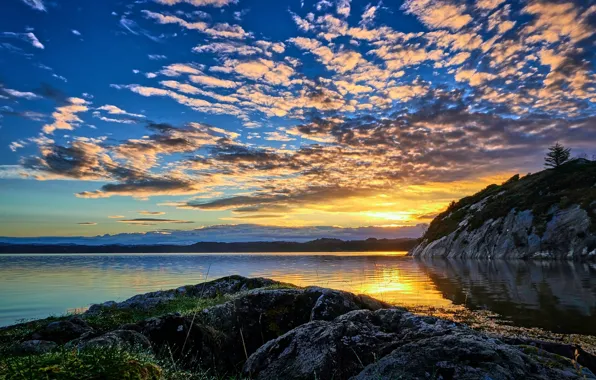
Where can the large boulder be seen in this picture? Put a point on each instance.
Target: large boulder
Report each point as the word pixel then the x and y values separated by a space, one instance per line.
pixel 324 349
pixel 118 339
pixel 394 344
pixel 62 331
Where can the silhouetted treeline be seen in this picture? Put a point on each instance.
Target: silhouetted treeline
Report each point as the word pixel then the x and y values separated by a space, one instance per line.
pixel 319 245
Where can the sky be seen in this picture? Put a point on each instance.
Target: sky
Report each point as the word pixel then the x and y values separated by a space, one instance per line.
pixel 163 115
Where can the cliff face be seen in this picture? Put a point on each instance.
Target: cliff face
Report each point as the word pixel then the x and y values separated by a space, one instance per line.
pixel 547 215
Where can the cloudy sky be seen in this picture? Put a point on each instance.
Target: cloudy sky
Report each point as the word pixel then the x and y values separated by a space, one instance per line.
pixel 132 116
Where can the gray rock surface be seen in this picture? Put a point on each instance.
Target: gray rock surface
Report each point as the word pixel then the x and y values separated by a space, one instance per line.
pixel 393 344
pixel 63 331
pixel 117 338
pixel 567 236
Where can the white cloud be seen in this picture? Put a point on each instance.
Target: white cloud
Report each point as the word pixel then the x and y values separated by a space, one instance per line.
pixel 29 37
pixel 113 110
pixel 35 4
pixel 199 3
pixel 76 32
pixel 209 81
pixel 20 94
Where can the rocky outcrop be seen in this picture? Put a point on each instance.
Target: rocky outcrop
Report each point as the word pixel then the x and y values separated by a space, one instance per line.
pixel 547 215
pixel 313 333
pixel 394 344
pixel 567 236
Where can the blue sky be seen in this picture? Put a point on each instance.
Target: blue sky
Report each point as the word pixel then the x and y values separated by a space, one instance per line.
pixel 149 115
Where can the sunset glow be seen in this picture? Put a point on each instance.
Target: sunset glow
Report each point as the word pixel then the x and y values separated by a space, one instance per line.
pixel 120 117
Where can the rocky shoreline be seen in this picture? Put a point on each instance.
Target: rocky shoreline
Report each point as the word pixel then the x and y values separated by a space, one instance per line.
pixel 236 327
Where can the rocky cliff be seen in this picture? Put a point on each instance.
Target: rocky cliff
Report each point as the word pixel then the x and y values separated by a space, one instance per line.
pixel 546 215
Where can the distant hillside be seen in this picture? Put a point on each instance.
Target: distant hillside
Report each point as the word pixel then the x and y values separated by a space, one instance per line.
pixel 319 245
pixel 550 214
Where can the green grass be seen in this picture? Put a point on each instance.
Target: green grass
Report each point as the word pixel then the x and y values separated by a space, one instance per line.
pixel 85 364
pixel 571 184
pixel 110 318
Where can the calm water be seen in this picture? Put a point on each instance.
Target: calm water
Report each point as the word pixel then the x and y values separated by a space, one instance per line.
pixel 556 296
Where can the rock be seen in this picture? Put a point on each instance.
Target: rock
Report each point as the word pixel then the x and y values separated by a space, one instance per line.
pixel 568 351
pixel 394 344
pixel 224 335
pixel 211 289
pixel 333 303
pixel 467 355
pixel 186 341
pixel 63 331
pixel 118 338
pixel 33 347
pixel 567 236
pixel 323 349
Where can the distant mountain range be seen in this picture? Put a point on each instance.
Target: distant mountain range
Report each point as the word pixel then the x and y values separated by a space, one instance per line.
pixel 319 245
pixel 244 233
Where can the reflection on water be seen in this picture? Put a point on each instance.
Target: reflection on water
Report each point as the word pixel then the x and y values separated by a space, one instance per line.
pixel 557 296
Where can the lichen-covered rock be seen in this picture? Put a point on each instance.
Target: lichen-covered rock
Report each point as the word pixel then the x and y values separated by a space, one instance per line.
pixel 62 331
pixel 118 339
pixel 393 344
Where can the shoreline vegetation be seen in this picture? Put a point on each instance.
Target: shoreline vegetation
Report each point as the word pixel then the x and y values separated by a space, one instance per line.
pixel 241 328
pixel 319 245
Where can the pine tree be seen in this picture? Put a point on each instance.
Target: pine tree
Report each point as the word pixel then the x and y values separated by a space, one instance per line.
pixel 557 155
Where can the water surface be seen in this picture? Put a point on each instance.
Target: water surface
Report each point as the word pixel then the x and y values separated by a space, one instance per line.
pixel 559 296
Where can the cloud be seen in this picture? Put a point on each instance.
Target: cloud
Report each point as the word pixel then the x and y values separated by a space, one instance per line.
pixel 156 57
pixel 35 4
pixel 151 221
pixel 87 224
pixel 76 32
pixel 29 37
pixel 199 3
pixel 65 117
pixel 144 212
pixel 223 30
pixel 19 94
pixel 209 81
pixel 437 14
pixel 116 216
pixel 113 110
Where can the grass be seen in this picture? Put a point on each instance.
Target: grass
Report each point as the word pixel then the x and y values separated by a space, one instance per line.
pixel 571 184
pixel 110 318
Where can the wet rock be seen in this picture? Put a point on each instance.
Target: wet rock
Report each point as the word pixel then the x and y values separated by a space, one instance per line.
pixel 393 344
pixel 33 347
pixel 118 338
pixel 63 331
